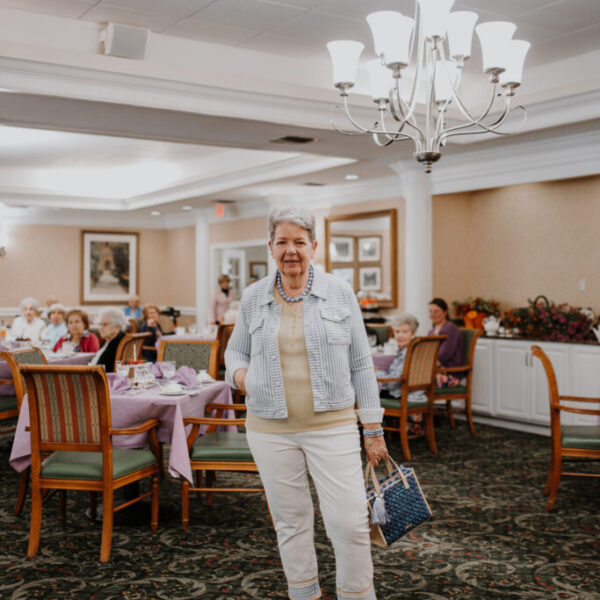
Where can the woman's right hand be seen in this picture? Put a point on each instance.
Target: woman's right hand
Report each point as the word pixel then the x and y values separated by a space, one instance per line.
pixel 239 378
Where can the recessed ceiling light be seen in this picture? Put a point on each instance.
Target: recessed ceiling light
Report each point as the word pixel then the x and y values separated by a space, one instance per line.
pixel 155 213
pixel 186 207
pixel 263 193
pixel 351 177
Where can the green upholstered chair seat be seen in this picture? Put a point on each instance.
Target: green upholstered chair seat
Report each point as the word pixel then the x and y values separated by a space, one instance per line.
pixel 8 403
pixel 586 437
pixel 88 465
pixel 222 372
pixel 222 445
pixel 458 389
pixel 394 403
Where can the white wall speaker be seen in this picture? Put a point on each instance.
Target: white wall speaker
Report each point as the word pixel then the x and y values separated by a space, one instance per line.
pixel 124 40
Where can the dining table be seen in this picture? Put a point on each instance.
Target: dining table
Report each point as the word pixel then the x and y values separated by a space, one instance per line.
pixel 131 407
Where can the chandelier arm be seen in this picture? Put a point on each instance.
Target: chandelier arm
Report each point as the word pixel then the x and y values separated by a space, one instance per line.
pixel 398 134
pixel 380 143
pixel 360 129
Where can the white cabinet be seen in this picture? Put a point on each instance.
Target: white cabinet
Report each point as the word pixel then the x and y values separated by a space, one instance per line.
pixel 510 384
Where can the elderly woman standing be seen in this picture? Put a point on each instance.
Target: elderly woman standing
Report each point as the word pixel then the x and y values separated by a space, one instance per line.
pixel 299 352
pixel 221 300
pixel 28 326
pixel 57 327
pixel 112 330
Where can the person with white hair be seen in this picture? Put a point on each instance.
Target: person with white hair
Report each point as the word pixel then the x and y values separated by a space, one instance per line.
pixel 133 310
pixel 28 326
pixel 113 325
pixel 57 327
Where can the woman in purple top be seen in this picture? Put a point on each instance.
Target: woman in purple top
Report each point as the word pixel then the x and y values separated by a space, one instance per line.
pixel 451 351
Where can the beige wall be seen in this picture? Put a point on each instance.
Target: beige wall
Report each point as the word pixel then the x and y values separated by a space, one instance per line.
pixel 516 242
pixel 45 260
pixel 241 230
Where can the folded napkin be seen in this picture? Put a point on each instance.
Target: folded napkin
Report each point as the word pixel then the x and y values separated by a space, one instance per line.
pixel 156 370
pixel 186 376
pixel 117 383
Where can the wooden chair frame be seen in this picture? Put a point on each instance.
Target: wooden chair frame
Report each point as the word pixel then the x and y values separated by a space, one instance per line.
pixel 210 466
pixel 557 450
pixel 449 396
pixel 213 368
pixel 125 347
pixel 107 485
pixel 223 334
pixel 402 412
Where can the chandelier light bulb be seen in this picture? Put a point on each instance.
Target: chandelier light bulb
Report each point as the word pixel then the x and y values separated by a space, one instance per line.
pixel 494 37
pixel 391 32
pixel 516 50
pixel 344 59
pixel 461 25
pixel 434 17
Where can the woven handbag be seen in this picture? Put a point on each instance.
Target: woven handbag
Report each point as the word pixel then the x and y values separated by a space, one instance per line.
pixel 396 503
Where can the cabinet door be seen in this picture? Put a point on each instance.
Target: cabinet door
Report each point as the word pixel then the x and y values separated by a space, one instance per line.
pixel 538 389
pixel 482 394
pixel 512 375
pixel 584 380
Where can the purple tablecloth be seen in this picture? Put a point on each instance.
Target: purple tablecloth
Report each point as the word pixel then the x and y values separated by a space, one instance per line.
pixel 77 358
pixel 383 361
pixel 129 410
pixel 185 336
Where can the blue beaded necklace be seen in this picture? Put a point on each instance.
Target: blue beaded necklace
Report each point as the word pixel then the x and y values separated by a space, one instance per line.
pixel 303 294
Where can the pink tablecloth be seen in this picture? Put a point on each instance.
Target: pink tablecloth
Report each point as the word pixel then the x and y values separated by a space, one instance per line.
pixel 77 358
pixel 129 410
pixel 185 336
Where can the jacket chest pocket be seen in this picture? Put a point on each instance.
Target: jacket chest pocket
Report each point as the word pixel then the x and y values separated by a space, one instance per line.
pixel 257 335
pixel 336 322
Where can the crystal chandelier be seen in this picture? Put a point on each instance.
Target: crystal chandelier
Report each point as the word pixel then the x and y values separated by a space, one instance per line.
pixel 423 65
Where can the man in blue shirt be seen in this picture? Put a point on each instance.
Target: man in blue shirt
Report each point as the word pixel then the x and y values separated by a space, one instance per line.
pixel 134 310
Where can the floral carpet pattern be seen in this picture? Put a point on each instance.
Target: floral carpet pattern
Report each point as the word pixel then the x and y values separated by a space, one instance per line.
pixel 491 537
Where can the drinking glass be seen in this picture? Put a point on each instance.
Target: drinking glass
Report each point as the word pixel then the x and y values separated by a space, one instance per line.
pixel 122 368
pixel 168 369
pixel 192 328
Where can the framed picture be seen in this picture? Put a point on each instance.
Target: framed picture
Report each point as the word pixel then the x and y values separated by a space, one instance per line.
pixel 258 269
pixel 109 267
pixel 370 279
pixel 341 249
pixel 369 248
pixel 345 273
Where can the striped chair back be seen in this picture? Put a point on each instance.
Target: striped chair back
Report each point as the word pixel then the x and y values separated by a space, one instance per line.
pixel 16 358
pixel 198 354
pixel 68 406
pixel 421 358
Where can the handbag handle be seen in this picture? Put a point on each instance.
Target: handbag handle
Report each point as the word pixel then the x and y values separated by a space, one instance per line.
pixel 370 473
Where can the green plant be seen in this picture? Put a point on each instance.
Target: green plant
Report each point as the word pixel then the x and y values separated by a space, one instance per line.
pixel 489 307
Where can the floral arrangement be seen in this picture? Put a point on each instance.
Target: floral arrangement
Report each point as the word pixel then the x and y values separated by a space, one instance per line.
pixel 553 322
pixel 489 307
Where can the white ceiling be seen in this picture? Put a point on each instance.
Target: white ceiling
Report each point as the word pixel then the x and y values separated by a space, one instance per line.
pixel 270 52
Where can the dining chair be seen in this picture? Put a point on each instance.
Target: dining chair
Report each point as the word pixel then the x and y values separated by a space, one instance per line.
pixel 567 441
pixel 215 451
pixel 198 354
pixel 418 374
pixel 14 359
pixel 223 334
pixel 131 345
pixel 460 392
pixel 70 418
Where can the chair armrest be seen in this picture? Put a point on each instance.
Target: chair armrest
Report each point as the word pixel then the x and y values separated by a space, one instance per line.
pixel 579 411
pixel 391 380
pixel 149 348
pixel 464 369
pixel 579 399
pixel 7 381
pixel 222 406
pixel 134 430
pixel 212 421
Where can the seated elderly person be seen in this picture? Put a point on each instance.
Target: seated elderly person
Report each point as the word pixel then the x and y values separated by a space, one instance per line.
pixel 150 324
pixel 404 332
pixel 28 326
pixel 57 327
pixel 78 334
pixel 112 329
pixel 133 310
pixel 452 350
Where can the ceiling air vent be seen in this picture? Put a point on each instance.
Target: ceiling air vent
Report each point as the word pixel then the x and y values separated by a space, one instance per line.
pixel 293 139
pixel 314 184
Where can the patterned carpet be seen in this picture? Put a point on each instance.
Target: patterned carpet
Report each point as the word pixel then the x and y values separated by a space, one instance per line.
pixel 491 537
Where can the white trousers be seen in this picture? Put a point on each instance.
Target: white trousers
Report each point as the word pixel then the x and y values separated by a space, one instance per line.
pixel 332 457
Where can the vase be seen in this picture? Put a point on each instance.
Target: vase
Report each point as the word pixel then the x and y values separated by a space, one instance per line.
pixel 475 322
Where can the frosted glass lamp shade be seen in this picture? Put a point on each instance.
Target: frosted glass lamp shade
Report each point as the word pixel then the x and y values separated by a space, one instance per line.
pixel 446 76
pixel 381 80
pixel 344 59
pixel 515 59
pixel 434 17
pixel 391 32
pixel 494 37
pixel 406 87
pixel 461 24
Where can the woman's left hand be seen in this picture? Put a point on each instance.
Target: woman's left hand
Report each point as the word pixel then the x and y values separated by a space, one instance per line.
pixel 376 449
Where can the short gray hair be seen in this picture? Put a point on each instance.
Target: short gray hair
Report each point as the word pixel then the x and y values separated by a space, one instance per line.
pixel 407 319
pixel 292 214
pixel 57 306
pixel 29 301
pixel 116 317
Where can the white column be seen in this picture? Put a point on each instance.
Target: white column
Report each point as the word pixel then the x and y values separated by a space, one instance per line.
pixel 201 252
pixel 418 253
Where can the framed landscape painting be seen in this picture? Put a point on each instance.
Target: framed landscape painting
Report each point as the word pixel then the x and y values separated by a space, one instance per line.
pixel 341 249
pixel 369 248
pixel 370 279
pixel 258 269
pixel 109 267
pixel 345 273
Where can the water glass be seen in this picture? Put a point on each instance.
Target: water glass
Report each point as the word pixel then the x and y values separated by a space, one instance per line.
pixel 168 369
pixel 192 328
pixel 122 368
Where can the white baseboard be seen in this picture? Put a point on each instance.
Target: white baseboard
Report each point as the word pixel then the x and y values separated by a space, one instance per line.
pixel 507 424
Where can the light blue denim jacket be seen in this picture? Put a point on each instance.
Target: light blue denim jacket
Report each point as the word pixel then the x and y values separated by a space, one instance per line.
pixel 339 357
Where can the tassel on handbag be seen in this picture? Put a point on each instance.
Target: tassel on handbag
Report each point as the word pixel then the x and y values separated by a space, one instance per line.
pixel 396 503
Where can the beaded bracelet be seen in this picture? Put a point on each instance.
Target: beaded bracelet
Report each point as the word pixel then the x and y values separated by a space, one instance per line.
pixel 373 432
